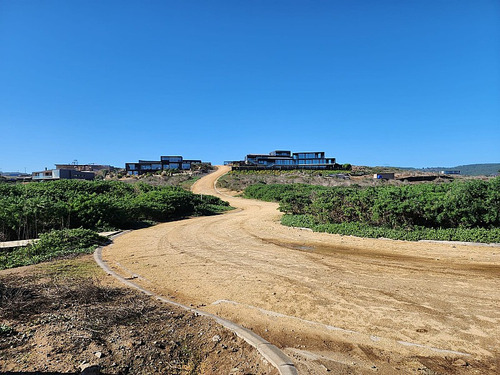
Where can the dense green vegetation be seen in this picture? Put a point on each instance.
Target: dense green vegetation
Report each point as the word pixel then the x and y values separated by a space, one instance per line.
pixel 55 243
pixel 30 209
pixel 415 234
pixel 462 211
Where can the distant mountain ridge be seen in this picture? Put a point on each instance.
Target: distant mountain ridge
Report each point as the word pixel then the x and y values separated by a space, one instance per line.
pixel 14 174
pixel 467 170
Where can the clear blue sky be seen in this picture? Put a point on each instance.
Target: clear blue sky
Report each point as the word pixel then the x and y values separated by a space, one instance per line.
pixel 401 82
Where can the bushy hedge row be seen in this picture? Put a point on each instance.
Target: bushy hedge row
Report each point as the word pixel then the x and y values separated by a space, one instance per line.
pixel 53 244
pixel 421 233
pixel 463 211
pixel 278 192
pixel 470 204
pixel 34 208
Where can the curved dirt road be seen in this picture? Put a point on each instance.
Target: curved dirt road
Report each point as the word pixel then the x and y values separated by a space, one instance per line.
pixel 345 304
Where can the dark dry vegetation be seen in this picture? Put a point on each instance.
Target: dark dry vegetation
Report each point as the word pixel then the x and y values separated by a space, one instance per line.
pixel 240 180
pixel 56 317
pixel 167 177
pixel 361 175
pixel 184 180
pixel 459 211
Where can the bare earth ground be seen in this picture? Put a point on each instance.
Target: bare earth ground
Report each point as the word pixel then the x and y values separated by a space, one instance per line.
pixel 332 303
pixel 59 316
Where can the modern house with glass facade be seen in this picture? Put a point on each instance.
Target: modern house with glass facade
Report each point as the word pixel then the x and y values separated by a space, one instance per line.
pixel 165 163
pixel 62 174
pixel 85 167
pixel 281 159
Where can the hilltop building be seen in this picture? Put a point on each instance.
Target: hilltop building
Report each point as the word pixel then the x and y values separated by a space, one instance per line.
pixel 281 159
pixel 70 172
pixel 383 176
pixel 165 163
pixel 449 172
pixel 85 167
pixel 62 174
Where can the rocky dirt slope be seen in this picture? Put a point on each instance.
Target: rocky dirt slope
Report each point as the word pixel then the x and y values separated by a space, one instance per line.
pixel 65 316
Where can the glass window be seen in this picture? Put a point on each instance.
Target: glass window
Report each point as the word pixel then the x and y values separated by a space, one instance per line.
pixel 172 159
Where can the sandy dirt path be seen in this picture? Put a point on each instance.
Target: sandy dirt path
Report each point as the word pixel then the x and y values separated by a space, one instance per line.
pixel 335 304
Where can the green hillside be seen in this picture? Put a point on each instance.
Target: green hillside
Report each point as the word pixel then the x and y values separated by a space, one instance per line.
pixel 479 169
pixel 467 170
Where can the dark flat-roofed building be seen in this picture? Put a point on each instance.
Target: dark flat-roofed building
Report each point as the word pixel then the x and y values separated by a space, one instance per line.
pixel 84 167
pixel 283 159
pixel 62 174
pixel 168 162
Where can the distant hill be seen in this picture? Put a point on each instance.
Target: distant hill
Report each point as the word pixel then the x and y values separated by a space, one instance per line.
pixel 467 170
pixel 13 174
pixel 479 169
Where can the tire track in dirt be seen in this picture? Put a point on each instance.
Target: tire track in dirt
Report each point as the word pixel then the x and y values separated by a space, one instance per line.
pixel 438 296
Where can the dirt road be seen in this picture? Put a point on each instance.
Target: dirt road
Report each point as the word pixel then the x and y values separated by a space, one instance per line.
pixel 344 304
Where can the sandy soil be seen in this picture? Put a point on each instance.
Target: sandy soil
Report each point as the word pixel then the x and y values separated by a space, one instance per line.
pixel 333 303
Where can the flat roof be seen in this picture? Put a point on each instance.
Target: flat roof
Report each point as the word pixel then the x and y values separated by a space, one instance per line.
pixel 309 152
pixel 279 157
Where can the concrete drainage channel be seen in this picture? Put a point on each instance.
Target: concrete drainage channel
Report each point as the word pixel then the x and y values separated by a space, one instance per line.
pixel 269 351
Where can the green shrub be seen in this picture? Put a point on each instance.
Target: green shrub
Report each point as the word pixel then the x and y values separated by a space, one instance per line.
pixel 31 209
pixel 69 240
pixel 470 204
pixel 480 235
pixel 5 329
pixel 53 244
pixel 459 211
